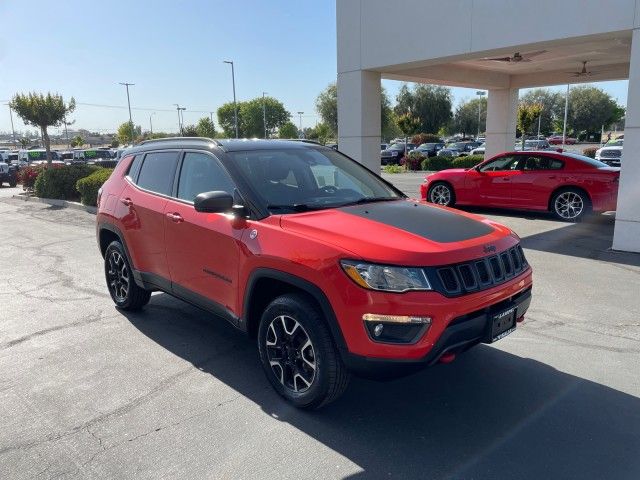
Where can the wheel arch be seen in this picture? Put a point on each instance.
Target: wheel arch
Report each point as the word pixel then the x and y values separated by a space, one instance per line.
pixel 566 187
pixel 265 284
pixel 447 183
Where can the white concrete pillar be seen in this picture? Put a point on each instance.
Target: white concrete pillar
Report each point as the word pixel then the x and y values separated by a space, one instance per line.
pixel 502 108
pixel 359 121
pixel 627 230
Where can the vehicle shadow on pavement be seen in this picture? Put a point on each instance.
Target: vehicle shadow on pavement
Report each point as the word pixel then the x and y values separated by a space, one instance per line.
pixel 489 414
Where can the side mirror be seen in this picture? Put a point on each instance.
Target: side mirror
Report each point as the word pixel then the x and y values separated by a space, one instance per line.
pixel 213 202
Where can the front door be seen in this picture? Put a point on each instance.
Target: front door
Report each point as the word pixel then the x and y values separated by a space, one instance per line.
pixel 491 184
pixel 203 249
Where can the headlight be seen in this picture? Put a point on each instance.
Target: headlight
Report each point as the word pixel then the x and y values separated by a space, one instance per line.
pixel 386 278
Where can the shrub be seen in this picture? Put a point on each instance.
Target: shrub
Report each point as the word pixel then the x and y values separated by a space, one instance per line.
pixel 590 152
pixel 437 163
pixel 413 161
pixel 89 186
pixel 393 169
pixel 421 138
pixel 469 161
pixel 60 183
pixel 27 176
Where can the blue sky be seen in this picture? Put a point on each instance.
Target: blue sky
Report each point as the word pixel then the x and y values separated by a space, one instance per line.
pixel 173 52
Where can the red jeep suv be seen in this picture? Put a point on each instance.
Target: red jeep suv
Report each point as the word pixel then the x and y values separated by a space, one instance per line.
pixel 332 269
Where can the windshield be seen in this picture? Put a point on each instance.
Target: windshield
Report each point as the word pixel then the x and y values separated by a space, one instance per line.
pixel 589 160
pixel 614 143
pixel 397 146
pixel 295 180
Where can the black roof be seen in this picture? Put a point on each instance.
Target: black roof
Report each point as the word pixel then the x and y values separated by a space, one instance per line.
pixel 227 145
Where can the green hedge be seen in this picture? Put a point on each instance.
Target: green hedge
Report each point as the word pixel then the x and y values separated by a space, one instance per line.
pixel 60 183
pixel 89 186
pixel 469 161
pixel 435 164
pixel 421 138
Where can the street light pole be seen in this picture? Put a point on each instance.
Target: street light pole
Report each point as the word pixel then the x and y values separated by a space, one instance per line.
pixel 13 132
pixel 179 109
pixel 480 94
pixel 235 103
pixel 300 113
pixel 127 85
pixel 151 124
pixel 264 114
pixel 566 111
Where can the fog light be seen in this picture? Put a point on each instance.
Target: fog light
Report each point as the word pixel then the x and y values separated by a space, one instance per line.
pixel 404 329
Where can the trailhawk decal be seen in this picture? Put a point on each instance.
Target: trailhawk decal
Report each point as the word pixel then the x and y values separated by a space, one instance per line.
pixel 432 223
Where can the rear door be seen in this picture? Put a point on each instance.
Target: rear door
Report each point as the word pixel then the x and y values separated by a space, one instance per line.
pixel 203 249
pixel 491 184
pixel 144 200
pixel 538 178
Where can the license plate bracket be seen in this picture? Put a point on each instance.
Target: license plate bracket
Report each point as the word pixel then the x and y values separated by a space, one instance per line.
pixel 503 323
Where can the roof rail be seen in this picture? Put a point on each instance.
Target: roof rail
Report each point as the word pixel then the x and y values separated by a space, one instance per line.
pixel 173 139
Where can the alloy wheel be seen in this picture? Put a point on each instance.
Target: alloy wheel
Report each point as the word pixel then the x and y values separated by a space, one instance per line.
pixel 440 194
pixel 290 353
pixel 569 205
pixel 118 276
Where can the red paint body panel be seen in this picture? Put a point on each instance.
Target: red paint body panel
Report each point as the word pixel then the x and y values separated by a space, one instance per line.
pixel 529 189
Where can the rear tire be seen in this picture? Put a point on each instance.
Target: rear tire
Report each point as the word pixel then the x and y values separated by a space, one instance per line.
pixel 124 291
pixel 441 193
pixel 298 354
pixel 570 204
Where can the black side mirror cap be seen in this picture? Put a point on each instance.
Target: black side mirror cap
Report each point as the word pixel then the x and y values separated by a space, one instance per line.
pixel 213 202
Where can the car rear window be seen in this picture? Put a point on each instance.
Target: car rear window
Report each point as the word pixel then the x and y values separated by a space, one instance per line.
pixel 157 172
pixel 588 160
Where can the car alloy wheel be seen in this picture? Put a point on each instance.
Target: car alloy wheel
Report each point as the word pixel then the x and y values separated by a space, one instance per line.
pixel 440 194
pixel 569 205
pixel 291 354
pixel 118 276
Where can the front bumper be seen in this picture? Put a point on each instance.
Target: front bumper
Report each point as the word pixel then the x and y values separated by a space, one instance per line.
pixel 461 334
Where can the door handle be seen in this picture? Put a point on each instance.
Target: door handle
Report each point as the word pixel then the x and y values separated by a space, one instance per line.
pixel 552 177
pixel 126 201
pixel 175 217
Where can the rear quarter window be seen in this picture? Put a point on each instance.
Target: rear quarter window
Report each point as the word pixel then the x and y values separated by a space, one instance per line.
pixel 134 168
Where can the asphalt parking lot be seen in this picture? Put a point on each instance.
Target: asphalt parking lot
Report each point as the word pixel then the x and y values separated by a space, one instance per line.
pixel 87 391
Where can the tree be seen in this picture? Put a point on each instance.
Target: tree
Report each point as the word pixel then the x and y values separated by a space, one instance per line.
pixel 206 128
pixel 327 108
pixel 42 111
pixel 77 141
pixel 465 119
pixel 552 107
pixel 321 133
pixel 430 104
pixel 408 125
pixel 590 109
pixel 127 132
pixel 24 142
pixel 288 130
pixel 527 117
pixel 250 117
pixel 190 131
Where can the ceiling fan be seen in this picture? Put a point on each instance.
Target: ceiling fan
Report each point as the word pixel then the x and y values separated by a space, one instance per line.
pixel 516 57
pixel 584 72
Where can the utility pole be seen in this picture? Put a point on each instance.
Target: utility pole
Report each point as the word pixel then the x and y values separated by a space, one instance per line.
pixel 211 117
pixel 300 113
pixel 127 85
pixel 480 94
pixel 566 111
pixel 179 109
pixel 151 124
pixel 13 131
pixel 235 104
pixel 264 115
pixel 66 132
pixel 539 119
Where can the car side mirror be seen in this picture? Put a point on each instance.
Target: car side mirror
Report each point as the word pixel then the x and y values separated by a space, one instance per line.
pixel 213 202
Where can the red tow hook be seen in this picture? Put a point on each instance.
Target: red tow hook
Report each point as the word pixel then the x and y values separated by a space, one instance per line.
pixel 447 357
pixel 520 320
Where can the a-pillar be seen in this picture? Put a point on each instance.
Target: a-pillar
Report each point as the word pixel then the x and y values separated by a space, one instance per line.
pixel 359 122
pixel 502 108
pixel 627 230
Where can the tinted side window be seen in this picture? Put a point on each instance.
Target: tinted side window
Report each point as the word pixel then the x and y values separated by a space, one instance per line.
pixel 157 172
pixel 134 168
pixel 500 164
pixel 202 173
pixel 541 163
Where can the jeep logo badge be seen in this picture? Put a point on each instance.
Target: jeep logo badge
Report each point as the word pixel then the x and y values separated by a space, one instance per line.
pixel 489 248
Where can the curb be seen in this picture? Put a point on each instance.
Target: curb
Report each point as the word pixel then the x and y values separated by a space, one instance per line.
pixel 57 203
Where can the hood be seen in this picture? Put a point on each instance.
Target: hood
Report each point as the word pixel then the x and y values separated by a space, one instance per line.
pixel 402 232
pixel 610 148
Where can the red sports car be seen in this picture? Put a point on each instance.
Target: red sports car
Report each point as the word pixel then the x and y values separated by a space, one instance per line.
pixel 557 140
pixel 566 184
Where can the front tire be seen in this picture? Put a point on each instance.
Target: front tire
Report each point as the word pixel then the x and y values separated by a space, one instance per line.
pixel 298 355
pixel 441 193
pixel 124 291
pixel 570 204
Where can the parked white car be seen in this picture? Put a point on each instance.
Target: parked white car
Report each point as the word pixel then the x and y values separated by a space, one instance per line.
pixel 479 150
pixel 611 153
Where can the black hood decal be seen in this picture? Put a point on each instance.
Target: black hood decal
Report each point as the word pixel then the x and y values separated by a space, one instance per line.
pixel 432 223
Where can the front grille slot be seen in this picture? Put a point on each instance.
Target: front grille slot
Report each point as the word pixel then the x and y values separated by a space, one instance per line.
pixel 480 274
